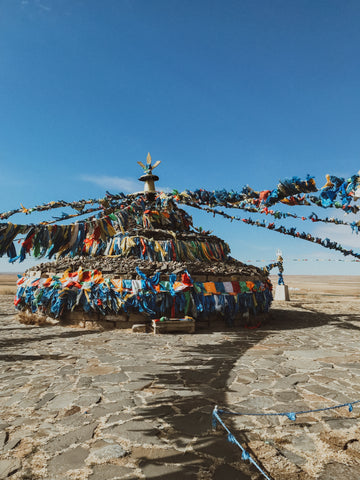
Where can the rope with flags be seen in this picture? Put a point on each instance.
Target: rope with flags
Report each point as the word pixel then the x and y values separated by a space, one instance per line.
pixel 115 211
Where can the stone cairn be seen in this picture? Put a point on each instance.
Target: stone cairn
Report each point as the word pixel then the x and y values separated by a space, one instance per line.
pixel 157 266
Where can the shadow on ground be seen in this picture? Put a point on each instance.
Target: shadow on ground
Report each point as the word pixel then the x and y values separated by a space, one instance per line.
pixel 193 386
pixel 38 336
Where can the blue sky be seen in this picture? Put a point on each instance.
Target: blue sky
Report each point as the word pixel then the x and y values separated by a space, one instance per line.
pixel 224 93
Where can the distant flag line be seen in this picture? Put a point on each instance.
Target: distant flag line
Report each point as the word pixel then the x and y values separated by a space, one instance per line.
pixel 347 260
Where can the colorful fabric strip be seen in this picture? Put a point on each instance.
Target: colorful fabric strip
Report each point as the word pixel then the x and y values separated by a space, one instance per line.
pixel 91 292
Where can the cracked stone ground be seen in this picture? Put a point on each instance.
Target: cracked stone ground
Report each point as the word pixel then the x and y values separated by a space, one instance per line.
pixel 77 404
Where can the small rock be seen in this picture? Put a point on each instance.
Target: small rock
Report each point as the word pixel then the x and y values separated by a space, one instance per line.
pixel 106 453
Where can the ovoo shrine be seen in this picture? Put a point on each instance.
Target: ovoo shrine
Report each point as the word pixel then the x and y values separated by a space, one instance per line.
pixel 139 260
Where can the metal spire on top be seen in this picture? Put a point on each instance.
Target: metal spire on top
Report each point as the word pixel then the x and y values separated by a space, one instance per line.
pixel 148 176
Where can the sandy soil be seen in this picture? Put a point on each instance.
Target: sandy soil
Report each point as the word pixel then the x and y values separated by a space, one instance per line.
pixel 7 283
pixel 300 285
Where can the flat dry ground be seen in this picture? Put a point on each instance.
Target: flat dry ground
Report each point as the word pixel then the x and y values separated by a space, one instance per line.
pixel 8 283
pixel 301 286
pixel 324 284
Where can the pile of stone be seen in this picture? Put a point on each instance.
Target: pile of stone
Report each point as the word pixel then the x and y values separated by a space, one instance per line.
pixel 126 267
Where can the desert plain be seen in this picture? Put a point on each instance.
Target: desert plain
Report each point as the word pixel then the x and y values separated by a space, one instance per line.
pixel 81 404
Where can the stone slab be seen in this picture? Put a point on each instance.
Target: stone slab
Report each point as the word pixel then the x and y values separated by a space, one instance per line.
pixel 80 435
pixel 335 470
pixel 109 472
pixel 8 467
pixel 137 432
pixel 71 460
pixel 155 471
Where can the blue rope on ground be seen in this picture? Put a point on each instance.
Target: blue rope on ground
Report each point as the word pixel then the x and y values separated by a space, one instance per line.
pixel 230 437
pixel 289 415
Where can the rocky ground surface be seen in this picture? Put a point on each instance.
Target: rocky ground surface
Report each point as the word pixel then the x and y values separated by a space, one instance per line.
pixel 77 404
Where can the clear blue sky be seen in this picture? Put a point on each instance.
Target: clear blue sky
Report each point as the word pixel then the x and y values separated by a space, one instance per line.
pixel 225 93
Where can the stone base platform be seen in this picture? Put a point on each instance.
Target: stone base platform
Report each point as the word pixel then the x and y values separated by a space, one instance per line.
pixel 96 321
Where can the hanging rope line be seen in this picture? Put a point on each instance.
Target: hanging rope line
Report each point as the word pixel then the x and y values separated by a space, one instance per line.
pixel 337 192
pixel 355 226
pixel 73 238
pixel 326 243
pixel 78 205
pixel 346 260
pixel 115 211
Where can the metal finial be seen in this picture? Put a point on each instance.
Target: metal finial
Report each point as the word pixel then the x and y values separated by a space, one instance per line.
pixel 148 176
